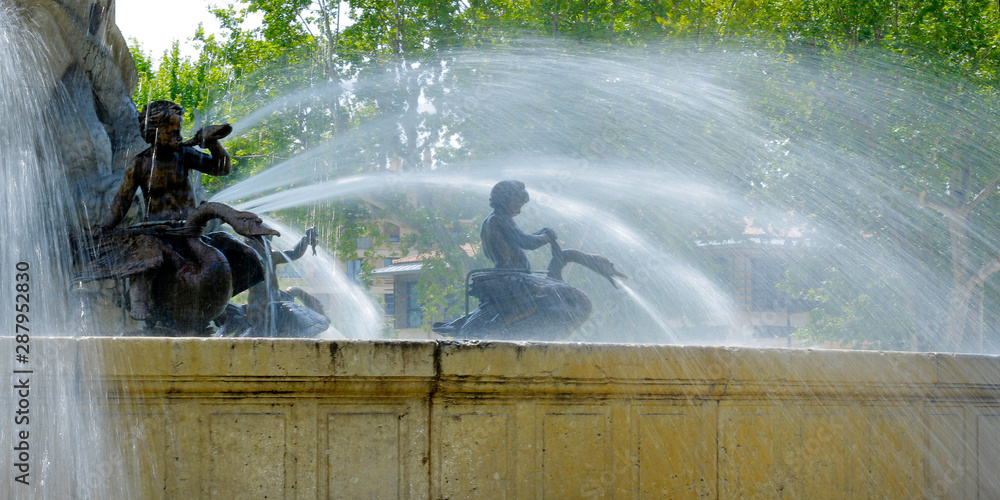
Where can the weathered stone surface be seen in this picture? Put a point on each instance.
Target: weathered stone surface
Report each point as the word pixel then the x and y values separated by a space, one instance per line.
pixel 90 76
pixel 424 419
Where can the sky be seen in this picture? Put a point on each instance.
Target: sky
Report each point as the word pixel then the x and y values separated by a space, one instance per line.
pixel 156 27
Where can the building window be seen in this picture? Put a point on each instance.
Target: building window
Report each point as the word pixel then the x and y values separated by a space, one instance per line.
pixel 388 261
pixel 414 314
pixel 390 305
pixel 364 243
pixel 354 270
pixel 766 273
pixel 392 232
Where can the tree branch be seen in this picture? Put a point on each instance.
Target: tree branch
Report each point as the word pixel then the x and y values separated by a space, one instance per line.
pixel 921 199
pixel 991 187
pixel 984 272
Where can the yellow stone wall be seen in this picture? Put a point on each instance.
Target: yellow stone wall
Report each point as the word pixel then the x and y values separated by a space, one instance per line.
pixel 282 418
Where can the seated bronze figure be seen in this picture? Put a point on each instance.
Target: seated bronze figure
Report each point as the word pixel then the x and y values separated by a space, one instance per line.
pixel 514 302
pixel 178 279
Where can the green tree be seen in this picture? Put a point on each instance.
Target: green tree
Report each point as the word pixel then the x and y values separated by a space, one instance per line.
pixel 904 120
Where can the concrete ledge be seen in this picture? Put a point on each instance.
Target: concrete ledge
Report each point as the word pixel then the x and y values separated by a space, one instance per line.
pixel 426 419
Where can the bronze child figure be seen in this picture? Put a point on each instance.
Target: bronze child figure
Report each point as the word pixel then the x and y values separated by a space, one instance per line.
pixel 514 302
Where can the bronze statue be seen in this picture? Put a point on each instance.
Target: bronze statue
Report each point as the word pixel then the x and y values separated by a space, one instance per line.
pixel 178 279
pixel 514 302
pixel 270 311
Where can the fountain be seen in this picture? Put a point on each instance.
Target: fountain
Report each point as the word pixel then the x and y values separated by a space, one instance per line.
pixel 645 404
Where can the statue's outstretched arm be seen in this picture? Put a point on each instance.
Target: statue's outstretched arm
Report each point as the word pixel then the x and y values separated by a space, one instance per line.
pixel 507 230
pixel 220 164
pixel 300 249
pixel 533 241
pixel 208 137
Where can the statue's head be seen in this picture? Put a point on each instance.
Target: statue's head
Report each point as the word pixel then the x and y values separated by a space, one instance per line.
pixel 157 116
pixel 509 196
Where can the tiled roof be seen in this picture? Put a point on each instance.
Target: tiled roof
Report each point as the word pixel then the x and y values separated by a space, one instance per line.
pixel 415 258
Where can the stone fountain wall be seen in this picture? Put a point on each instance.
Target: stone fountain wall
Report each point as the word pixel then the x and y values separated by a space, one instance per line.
pixel 212 418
